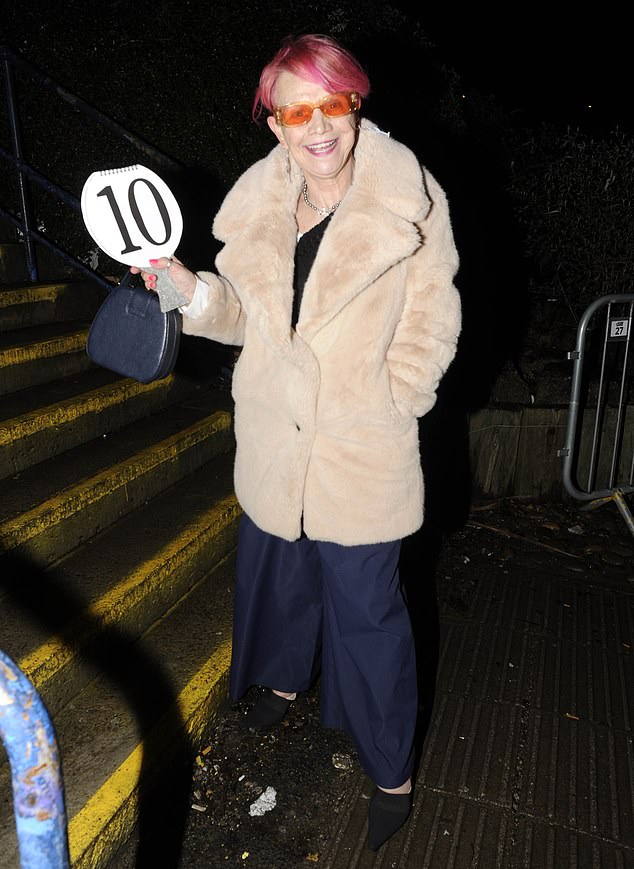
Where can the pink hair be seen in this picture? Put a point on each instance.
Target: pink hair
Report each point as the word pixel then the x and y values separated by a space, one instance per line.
pixel 315 58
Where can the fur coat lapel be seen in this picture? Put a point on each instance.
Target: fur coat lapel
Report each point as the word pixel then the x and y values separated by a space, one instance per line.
pixel 374 228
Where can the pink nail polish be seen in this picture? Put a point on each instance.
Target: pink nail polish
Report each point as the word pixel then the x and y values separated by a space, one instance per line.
pixel 153 262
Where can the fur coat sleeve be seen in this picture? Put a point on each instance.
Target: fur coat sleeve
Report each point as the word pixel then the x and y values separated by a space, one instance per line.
pixel 424 341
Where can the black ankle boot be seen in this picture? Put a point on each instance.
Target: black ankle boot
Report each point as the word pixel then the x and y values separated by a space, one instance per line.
pixel 268 709
pixel 386 814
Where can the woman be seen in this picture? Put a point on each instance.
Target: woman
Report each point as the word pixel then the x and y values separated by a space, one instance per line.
pixel 336 278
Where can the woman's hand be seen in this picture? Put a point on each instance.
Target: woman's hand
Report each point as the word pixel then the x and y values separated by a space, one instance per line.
pixel 184 280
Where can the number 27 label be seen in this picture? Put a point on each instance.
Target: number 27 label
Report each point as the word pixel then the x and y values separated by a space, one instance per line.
pixel 619 328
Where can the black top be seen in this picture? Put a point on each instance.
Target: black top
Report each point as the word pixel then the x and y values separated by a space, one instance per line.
pixel 305 254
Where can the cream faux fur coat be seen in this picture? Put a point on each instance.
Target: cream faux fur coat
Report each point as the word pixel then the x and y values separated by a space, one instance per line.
pixel 326 416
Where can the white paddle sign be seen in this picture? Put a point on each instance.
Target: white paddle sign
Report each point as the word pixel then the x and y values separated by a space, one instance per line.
pixel 132 215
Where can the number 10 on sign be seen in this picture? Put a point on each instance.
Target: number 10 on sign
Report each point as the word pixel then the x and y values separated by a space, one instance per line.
pixel 131 214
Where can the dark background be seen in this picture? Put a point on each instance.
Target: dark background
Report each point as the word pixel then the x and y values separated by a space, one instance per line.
pixel 184 72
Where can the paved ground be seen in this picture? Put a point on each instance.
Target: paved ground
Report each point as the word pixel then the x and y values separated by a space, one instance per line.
pixel 527 759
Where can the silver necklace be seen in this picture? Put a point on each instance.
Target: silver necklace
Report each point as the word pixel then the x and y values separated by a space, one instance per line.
pixel 323 211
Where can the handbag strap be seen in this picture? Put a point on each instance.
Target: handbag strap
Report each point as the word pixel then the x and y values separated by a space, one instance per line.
pixel 127 280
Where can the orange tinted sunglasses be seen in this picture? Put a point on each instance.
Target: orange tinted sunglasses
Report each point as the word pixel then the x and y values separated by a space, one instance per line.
pixel 332 106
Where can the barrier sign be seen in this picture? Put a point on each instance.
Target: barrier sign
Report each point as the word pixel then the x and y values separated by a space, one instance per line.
pixel 619 329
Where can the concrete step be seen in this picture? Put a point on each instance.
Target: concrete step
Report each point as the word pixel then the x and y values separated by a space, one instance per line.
pixel 31 304
pixel 118 528
pixel 45 421
pixel 50 509
pixel 52 620
pixel 40 354
pixel 125 740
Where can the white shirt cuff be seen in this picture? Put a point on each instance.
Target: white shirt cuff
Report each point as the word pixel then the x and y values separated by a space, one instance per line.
pixel 199 300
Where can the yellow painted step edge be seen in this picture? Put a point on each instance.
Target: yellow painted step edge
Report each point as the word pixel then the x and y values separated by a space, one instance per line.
pixel 47 348
pixel 68 411
pixel 70 501
pixel 51 657
pixel 28 295
pixel 91 833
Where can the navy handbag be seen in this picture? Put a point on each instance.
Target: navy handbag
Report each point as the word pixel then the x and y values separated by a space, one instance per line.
pixel 132 336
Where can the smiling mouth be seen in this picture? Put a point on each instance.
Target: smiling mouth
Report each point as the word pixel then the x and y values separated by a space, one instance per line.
pixel 322 147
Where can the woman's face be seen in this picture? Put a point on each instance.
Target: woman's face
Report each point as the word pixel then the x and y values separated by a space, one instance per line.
pixel 323 147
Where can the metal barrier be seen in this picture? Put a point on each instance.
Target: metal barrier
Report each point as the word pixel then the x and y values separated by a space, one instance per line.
pixel 25 220
pixel 38 792
pixel 599 449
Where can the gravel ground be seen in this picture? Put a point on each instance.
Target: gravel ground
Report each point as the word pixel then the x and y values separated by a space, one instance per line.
pixel 311 769
pixel 307 767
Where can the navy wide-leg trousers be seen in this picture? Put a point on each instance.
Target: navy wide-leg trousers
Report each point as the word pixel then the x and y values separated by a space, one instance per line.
pixel 307 607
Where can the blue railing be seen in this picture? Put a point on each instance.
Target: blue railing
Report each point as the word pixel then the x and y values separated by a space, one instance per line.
pixel 25 219
pixel 36 776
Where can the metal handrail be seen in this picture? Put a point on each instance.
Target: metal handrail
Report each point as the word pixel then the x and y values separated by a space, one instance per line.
pixel 24 221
